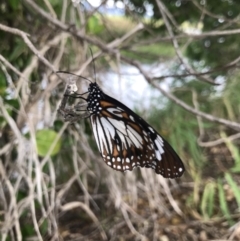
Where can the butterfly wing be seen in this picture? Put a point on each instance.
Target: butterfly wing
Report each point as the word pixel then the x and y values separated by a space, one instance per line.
pixel 126 141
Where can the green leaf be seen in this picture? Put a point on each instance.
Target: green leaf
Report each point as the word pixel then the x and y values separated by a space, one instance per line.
pixel 27 230
pixel 44 139
pixel 94 26
pixel 14 4
pixel 54 2
pixel 207 203
pixel 234 152
pixel 223 202
pixel 18 50
pixel 44 227
pixel 234 187
pixel 13 103
pixel 3 83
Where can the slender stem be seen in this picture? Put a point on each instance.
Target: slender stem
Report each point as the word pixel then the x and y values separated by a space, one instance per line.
pixel 76 97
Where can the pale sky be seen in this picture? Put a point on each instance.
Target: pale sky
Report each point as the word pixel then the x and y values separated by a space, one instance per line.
pixel 96 3
pixel 110 3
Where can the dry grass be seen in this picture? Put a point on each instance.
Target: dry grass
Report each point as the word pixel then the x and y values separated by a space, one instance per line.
pixel 119 24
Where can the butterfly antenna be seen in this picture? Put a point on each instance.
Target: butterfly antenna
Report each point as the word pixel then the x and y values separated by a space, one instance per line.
pixel 68 73
pixel 94 69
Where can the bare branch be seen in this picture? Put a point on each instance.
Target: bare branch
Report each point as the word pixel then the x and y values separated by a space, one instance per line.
pixel 176 46
pixel 25 36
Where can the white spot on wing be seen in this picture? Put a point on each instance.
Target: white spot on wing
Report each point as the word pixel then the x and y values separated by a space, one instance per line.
pixel 128 140
pixel 159 151
pixel 109 131
pixel 120 109
pixel 102 138
pixel 114 111
pixel 151 129
pixel 131 117
pixel 95 133
pixel 119 125
pixel 154 163
pixel 123 140
pixel 134 136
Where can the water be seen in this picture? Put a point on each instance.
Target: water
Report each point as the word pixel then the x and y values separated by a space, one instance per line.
pixel 131 88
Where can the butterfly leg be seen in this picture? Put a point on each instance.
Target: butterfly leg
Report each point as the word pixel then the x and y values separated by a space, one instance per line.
pixel 68 113
pixel 78 106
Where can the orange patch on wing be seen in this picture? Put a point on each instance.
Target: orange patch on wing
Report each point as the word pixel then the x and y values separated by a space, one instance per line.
pixel 106 114
pixel 124 115
pixel 125 153
pixel 105 104
pixel 104 151
pixel 115 151
pixel 135 127
pixel 133 149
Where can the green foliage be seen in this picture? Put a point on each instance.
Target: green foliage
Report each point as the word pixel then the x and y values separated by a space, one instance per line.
pixel 231 96
pixel 182 130
pixel 44 139
pixel 223 202
pixel 158 49
pixel 94 25
pixel 234 152
pixel 44 227
pixel 214 51
pixel 3 84
pixel 54 3
pixel 19 49
pixel 207 202
pixel 179 127
pixel 115 27
pixel 27 230
pixel 234 186
pixel 14 4
pixel 151 52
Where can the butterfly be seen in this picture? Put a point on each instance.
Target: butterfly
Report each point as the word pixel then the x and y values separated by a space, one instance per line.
pixel 124 139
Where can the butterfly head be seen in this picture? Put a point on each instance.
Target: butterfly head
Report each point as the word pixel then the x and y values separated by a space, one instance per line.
pixel 94 97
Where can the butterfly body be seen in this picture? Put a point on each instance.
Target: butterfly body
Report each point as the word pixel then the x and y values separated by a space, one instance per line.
pixel 125 140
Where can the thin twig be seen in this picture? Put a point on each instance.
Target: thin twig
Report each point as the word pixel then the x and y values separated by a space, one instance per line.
pixel 25 38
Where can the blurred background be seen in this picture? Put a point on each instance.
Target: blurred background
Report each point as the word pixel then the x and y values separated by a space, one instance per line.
pixel 175 63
